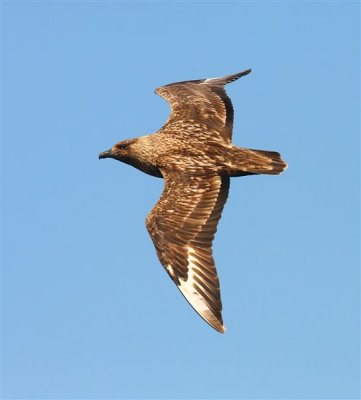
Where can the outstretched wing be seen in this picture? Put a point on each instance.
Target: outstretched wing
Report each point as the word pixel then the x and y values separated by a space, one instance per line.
pixel 182 226
pixel 203 102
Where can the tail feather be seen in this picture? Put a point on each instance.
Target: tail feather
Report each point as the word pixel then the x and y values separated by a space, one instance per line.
pixel 266 162
pixel 250 162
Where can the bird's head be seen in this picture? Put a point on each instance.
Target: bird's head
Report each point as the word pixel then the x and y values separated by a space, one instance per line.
pixel 120 151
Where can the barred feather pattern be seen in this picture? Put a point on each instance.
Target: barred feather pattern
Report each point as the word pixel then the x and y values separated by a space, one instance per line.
pixel 182 226
pixel 194 154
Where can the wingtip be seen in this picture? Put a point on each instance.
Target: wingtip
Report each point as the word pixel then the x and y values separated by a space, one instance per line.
pixel 217 325
pixel 239 75
pixel 224 80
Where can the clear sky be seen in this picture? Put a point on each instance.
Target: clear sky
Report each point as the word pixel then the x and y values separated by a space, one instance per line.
pixel 87 310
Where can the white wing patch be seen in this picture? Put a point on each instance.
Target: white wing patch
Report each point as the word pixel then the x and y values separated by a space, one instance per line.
pixel 194 298
pixel 169 268
pixel 218 78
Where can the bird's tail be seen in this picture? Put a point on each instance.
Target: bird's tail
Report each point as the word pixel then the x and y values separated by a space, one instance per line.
pixel 250 161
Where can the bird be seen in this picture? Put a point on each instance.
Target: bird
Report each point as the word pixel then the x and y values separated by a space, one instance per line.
pixel 194 154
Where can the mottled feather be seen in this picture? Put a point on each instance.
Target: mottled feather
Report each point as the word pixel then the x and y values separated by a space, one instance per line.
pixel 203 103
pixel 194 154
pixel 182 226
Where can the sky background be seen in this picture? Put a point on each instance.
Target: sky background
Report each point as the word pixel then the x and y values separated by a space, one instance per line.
pixel 87 310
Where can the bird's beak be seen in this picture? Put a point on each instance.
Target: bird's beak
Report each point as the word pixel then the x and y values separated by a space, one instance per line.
pixel 106 154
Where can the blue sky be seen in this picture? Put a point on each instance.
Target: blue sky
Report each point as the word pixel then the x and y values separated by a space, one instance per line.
pixel 87 310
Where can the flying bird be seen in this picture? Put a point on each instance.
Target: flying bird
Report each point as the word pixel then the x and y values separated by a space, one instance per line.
pixel 194 154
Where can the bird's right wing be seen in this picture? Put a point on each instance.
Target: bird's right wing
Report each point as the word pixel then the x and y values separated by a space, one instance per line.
pixel 182 226
pixel 201 104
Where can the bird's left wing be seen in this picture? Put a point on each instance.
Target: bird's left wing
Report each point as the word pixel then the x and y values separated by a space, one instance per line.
pixel 182 226
pixel 201 104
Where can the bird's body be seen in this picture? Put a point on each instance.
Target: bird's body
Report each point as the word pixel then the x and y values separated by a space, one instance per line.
pixel 194 153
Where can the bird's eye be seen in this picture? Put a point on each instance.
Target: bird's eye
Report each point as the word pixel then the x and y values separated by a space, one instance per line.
pixel 122 146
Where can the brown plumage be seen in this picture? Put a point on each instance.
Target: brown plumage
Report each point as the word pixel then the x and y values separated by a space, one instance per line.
pixel 194 154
